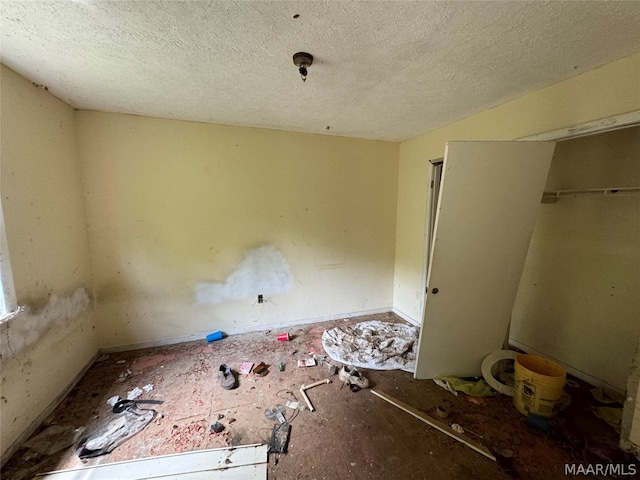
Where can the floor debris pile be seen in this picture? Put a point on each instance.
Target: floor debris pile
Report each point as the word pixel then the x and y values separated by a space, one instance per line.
pixel 335 432
pixel 373 344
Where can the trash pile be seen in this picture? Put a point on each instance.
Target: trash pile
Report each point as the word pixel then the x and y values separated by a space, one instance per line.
pixel 373 344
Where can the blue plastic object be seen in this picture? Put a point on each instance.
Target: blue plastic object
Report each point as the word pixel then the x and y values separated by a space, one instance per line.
pixel 212 337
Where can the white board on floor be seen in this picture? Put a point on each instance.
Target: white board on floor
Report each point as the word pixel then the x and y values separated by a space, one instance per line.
pixel 246 462
pixel 489 199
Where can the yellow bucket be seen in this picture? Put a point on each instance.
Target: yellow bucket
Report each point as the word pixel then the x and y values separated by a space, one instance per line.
pixel 538 385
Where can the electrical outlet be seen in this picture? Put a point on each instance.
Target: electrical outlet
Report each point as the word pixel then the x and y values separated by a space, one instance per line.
pixel 260 298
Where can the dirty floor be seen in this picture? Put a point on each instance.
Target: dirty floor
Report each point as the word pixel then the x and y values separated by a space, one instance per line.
pixel 353 435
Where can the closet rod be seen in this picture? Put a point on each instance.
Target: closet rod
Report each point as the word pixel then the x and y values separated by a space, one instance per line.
pixel 553 196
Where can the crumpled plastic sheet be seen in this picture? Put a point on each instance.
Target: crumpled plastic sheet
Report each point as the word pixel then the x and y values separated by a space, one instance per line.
pixel 114 431
pixel 54 439
pixel 374 344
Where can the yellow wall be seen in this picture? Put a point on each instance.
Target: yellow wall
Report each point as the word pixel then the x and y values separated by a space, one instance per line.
pixel 608 91
pixel 578 300
pixel 46 348
pixel 611 90
pixel 172 204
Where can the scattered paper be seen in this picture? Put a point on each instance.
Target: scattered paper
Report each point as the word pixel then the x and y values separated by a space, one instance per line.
pixel 245 368
pixel 133 394
pixel 147 388
pixel 113 400
pixel 307 362
pixel 457 428
pixel 123 376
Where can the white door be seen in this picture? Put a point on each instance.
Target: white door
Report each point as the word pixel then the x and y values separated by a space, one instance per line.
pixel 487 209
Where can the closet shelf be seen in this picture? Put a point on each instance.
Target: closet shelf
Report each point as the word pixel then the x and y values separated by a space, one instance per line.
pixel 554 196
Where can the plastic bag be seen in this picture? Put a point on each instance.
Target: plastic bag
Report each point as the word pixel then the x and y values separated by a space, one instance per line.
pixel 115 431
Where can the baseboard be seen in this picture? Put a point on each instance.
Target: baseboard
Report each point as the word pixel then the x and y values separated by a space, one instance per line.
pixel 405 317
pixel 596 382
pixel 15 446
pixel 238 331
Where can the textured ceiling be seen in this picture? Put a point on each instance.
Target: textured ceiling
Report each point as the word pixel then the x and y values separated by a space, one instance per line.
pixel 384 70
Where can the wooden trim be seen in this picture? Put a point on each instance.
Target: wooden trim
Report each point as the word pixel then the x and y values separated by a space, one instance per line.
pixel 437 424
pixel 609 124
pixel 591 380
pixel 238 331
pixel 231 460
pixel 405 317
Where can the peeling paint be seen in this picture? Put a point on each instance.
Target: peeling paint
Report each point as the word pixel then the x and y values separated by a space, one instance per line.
pixel 263 270
pixel 29 325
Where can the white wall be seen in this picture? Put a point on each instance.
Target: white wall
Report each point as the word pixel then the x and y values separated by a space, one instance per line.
pixel 45 348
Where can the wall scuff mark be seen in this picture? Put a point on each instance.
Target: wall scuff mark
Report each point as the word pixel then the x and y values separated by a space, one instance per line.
pixel 27 327
pixel 263 270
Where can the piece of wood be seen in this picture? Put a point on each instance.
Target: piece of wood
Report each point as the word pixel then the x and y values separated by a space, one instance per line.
pixel 223 463
pixel 437 424
pixel 487 208
pixel 303 389
pixel 306 399
pixel 315 384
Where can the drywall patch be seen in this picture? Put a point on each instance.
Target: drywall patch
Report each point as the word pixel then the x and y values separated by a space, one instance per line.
pixel 263 270
pixel 25 329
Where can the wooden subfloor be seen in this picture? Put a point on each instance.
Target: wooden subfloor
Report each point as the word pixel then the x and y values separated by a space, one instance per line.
pixel 349 436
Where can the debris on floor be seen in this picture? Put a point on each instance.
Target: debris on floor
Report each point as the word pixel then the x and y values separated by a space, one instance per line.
pixel 245 368
pixel 124 375
pixel 279 442
pixel 135 393
pixel 212 337
pixel 352 377
pixel 226 378
pixel 454 431
pixel 607 395
pixel 304 388
pixel 276 413
pixel 307 362
pixel 611 415
pixel 475 387
pixel 283 337
pixel 498 370
pixel 360 435
pixel 217 427
pixel 190 436
pixel 116 430
pixel 54 439
pixel 261 369
pixel 442 411
pixel 374 344
pixel 539 423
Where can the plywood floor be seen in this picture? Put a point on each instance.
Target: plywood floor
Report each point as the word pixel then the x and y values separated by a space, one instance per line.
pixel 351 435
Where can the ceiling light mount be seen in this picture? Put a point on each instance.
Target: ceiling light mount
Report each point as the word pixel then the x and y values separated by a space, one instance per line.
pixel 302 60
